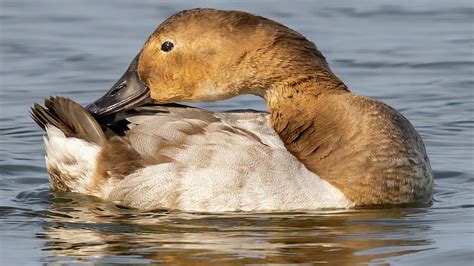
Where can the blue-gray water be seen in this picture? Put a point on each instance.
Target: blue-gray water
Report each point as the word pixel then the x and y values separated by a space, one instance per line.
pixel 417 56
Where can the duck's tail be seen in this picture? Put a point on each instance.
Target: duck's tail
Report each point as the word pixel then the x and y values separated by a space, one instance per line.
pixel 70 118
pixel 73 142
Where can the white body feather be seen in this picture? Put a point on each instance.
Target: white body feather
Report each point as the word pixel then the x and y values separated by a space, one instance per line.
pixel 221 168
pixel 71 157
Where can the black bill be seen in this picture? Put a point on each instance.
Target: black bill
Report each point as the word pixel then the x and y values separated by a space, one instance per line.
pixel 128 92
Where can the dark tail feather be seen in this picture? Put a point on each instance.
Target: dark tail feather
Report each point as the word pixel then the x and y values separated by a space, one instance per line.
pixel 70 117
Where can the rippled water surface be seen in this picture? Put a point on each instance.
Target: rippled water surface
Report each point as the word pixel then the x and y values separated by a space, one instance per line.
pixel 415 55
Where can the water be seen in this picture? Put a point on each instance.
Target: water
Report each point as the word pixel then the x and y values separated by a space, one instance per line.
pixel 417 56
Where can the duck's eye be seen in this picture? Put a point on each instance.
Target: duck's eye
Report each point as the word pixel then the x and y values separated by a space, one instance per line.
pixel 167 46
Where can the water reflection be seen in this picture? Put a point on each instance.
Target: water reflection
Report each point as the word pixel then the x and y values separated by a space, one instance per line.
pixel 86 228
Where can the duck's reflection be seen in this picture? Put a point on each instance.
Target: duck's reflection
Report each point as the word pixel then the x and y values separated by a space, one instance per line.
pixel 84 228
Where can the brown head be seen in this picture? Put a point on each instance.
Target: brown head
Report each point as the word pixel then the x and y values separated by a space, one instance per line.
pixel 206 55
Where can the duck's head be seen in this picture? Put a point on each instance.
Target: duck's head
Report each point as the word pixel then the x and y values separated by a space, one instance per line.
pixel 206 55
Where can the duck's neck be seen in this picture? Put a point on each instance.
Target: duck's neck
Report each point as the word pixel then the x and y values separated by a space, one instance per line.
pixel 307 116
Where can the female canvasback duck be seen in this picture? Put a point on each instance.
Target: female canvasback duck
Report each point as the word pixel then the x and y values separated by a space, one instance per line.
pixel 320 145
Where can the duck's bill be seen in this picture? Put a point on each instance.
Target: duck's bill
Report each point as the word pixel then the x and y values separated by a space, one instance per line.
pixel 128 92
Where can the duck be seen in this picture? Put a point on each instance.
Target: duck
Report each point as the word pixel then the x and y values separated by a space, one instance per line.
pixel 319 146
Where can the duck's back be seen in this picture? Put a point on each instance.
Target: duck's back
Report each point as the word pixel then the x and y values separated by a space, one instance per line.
pixel 191 159
pixel 217 162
